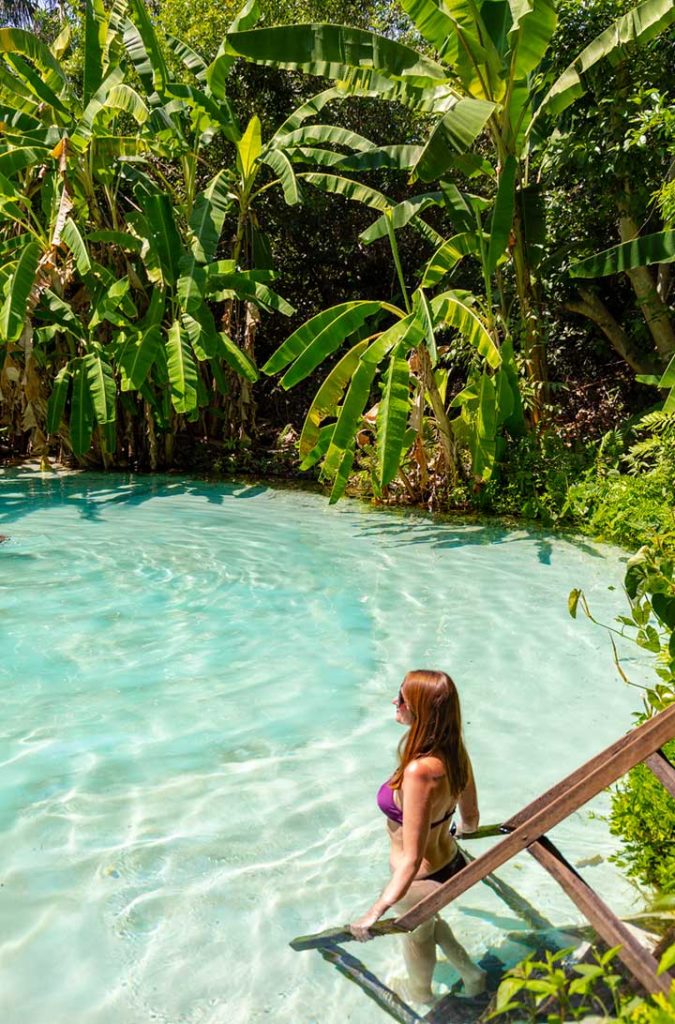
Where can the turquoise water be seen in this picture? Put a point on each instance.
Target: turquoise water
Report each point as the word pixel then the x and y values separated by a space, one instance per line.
pixel 196 688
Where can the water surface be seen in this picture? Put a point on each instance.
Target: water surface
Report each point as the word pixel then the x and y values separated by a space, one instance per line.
pixel 196 687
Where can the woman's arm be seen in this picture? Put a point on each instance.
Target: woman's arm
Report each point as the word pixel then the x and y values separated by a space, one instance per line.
pixel 468 805
pixel 419 782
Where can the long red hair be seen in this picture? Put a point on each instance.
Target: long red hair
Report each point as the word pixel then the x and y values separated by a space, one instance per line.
pixel 436 728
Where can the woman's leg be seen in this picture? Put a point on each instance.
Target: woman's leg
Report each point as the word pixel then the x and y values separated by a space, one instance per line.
pixel 419 946
pixel 472 975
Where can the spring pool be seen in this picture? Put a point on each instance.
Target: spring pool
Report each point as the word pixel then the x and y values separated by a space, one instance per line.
pixel 196 688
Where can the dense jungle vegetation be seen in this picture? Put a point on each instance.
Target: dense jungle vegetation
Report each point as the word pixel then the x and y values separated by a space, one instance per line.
pixel 422 251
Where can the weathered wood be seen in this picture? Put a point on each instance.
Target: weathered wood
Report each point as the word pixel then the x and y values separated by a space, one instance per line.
pixel 550 809
pixel 663 770
pixel 637 959
pixel 343 934
pixel 368 983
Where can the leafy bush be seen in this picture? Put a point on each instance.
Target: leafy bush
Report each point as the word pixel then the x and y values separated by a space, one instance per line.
pixel 643 815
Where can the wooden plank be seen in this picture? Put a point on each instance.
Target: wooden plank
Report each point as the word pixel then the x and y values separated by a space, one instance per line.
pixel 550 809
pixel 342 934
pixel 637 959
pixel 663 770
pixel 357 972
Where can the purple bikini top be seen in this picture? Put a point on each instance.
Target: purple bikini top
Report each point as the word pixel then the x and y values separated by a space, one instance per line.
pixel 388 806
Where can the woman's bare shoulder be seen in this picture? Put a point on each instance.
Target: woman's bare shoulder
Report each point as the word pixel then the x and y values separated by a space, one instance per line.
pixel 427 768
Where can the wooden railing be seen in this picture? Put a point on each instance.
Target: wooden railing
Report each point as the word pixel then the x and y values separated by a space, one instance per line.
pixel 527 830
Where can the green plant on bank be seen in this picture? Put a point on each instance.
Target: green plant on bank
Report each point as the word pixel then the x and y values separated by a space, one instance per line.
pixel 626 494
pixel 643 811
pixel 484 84
pixel 543 989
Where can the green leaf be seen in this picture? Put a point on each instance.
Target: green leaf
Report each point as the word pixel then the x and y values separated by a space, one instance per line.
pixel 664 609
pixel 392 415
pixel 454 133
pixel 426 321
pixel 534 22
pixel 95 32
pixel 249 147
pixel 73 239
pixel 639 25
pixel 19 287
pixel 57 399
pixel 282 167
pixel 323 334
pixel 209 343
pixel 327 398
pixel 191 286
pixel 208 216
pixel 164 235
pixel 189 57
pixel 319 449
pixel 485 437
pixel 102 389
pixel 15 160
pixel 573 602
pixel 448 256
pixel 121 238
pixel 158 68
pixel 638 252
pixel 182 370
pixel 81 411
pixel 667 960
pixel 332 51
pixel 17 41
pixel 502 214
pixel 138 356
pixel 449 308
pixel 400 215
pixel 326 134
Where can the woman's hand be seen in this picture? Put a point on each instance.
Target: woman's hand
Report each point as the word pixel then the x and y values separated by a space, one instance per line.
pixel 359 929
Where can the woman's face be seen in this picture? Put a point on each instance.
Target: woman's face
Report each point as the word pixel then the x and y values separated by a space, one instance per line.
pixel 403 713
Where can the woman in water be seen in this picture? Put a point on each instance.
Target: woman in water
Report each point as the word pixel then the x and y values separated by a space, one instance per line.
pixel 433 778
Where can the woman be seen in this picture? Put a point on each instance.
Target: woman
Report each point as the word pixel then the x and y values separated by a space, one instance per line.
pixel 432 780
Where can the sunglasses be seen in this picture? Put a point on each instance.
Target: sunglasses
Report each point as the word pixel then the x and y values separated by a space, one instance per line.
pixel 399 700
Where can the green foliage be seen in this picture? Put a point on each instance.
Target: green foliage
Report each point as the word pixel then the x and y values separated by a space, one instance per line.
pixel 564 990
pixel 643 816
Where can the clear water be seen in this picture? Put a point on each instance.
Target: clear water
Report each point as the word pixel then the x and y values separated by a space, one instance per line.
pixel 196 687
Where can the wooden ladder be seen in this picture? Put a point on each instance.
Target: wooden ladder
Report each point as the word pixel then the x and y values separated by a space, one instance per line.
pixel 527 830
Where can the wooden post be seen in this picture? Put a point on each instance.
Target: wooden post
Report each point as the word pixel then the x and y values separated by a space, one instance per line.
pixel 637 959
pixel 663 770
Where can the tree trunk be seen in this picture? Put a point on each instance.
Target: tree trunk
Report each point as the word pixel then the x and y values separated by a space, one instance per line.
pixel 654 309
pixel 440 415
pixel 533 342
pixel 591 306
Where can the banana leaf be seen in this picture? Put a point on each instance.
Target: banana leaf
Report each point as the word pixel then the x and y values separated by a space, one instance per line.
pixel 182 369
pixel 454 133
pixel 638 252
pixel 327 398
pixel 137 357
pixel 81 410
pixel 18 290
pixel 502 213
pixel 57 400
pixel 392 415
pixel 321 335
pixel 449 308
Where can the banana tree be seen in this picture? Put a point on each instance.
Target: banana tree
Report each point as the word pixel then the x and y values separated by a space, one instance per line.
pixel 111 246
pixel 487 76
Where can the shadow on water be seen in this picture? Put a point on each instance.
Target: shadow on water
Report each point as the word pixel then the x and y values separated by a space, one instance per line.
pixel 92 493
pixel 441 532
